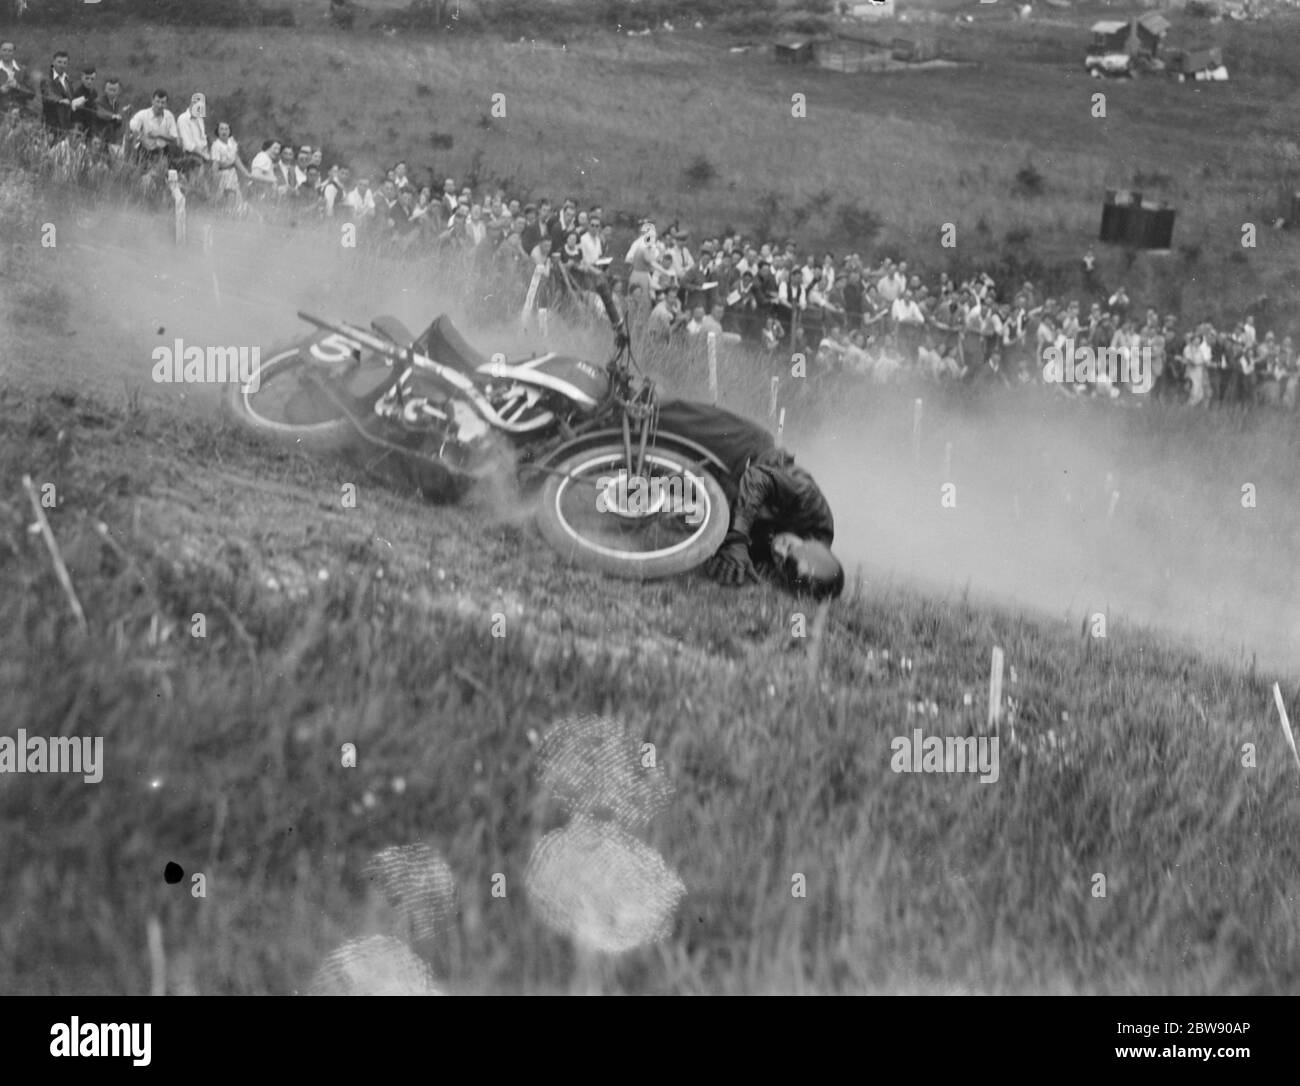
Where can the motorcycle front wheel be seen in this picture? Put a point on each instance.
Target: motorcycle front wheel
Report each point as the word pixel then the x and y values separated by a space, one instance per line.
pixel 596 514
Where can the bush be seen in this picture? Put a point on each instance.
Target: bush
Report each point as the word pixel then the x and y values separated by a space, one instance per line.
pixel 700 172
pixel 858 224
pixel 1029 182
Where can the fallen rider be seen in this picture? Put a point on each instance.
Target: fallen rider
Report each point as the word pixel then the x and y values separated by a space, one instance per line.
pixel 781 523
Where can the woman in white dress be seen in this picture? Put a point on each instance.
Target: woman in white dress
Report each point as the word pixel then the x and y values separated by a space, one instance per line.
pixel 228 165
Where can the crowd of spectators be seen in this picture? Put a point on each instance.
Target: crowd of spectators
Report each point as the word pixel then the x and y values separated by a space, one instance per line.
pixel 873 319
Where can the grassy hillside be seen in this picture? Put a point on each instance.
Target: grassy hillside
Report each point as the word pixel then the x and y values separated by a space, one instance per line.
pixel 373 627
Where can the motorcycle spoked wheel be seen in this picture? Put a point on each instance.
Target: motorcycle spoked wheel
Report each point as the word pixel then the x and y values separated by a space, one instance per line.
pixel 284 404
pixel 624 543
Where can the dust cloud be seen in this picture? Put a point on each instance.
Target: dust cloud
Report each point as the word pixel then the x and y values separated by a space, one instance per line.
pixel 1036 522
pixel 1069 509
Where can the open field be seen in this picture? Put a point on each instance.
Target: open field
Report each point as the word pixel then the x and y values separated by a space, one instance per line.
pixel 374 625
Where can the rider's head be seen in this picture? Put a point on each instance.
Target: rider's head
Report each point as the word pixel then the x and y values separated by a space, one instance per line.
pixel 807 566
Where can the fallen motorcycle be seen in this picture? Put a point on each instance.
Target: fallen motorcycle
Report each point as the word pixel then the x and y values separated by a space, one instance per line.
pixel 618 492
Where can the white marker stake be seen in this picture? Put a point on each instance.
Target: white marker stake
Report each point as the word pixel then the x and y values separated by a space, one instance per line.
pixel 713 366
pixel 60 570
pixel 1114 500
pixel 995 691
pixel 780 425
pixel 178 198
pixel 542 318
pixel 1286 724
pixel 771 410
pixel 916 431
pixel 531 296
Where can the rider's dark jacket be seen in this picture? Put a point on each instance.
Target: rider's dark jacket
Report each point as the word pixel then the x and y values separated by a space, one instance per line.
pixel 768 491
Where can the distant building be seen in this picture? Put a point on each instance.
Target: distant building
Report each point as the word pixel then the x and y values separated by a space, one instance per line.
pixel 851 50
pixel 793 49
pixel 1131 36
pixel 872 11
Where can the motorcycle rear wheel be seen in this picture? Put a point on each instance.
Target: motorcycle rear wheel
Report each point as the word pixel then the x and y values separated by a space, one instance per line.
pixel 625 542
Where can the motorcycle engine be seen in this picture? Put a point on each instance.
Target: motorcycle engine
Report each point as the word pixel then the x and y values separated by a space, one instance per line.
pixel 469 426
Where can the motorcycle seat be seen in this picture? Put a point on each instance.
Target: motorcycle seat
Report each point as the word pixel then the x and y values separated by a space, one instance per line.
pixel 442 342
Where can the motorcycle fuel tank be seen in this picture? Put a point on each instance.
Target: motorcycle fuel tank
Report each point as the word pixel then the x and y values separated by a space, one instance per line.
pixel 573 378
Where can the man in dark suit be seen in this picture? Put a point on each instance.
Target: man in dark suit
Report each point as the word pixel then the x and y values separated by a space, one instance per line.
pixel 533 231
pixel 57 95
pixel 83 116
pixel 565 223
pixel 110 113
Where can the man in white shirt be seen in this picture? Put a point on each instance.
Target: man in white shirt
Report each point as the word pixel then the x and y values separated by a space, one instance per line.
pixel 712 322
pixel 13 88
pixel 808 273
pixel 154 129
pixel 908 323
pixel 192 130
pixel 892 283
pixel 677 258
pixel 476 226
pixel 194 135
pixel 361 200
pixel 1196 356
pixel 591 243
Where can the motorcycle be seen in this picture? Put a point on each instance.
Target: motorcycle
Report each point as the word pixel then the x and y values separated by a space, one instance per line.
pixel 618 493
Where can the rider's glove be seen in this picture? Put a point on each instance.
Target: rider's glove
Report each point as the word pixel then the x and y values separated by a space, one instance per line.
pixel 731 565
